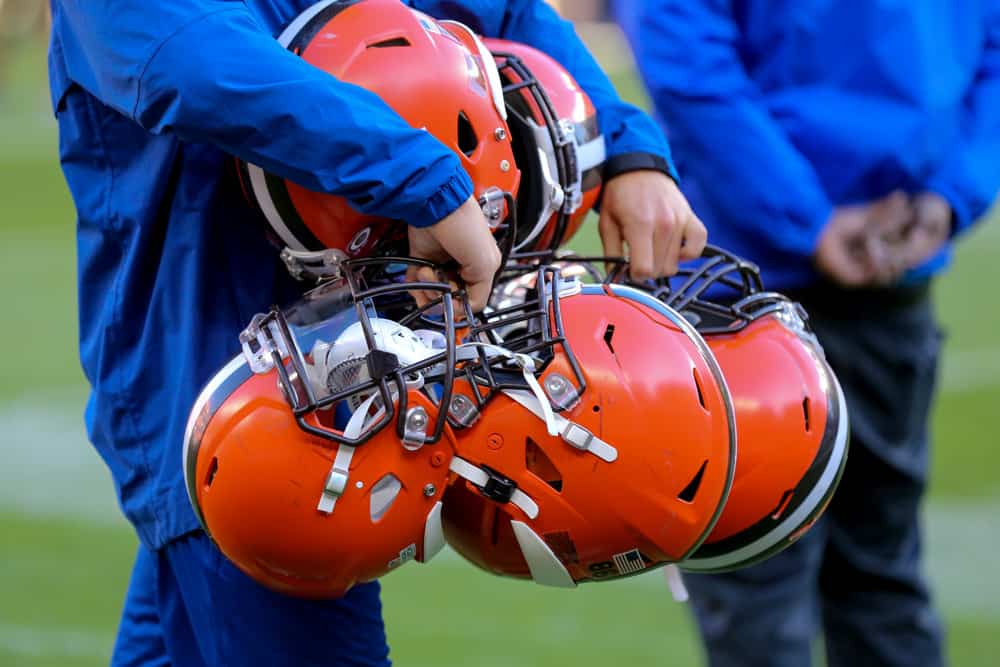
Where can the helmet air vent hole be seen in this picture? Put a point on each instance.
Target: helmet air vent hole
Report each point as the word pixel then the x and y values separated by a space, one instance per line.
pixel 691 490
pixel 541 466
pixel 383 494
pixel 389 43
pixel 467 140
pixel 786 498
pixel 213 468
pixel 805 411
pixel 697 386
pixel 609 333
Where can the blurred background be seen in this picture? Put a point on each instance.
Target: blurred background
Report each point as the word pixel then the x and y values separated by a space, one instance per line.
pixel 66 552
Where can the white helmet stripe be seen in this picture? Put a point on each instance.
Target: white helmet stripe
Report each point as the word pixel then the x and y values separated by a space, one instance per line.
pixel 289 33
pixel 258 183
pixel 490 67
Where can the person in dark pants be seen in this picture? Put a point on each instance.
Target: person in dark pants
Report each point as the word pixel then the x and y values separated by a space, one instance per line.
pixel 842 146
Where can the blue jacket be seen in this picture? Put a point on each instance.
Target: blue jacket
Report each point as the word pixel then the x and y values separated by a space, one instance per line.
pixel 778 111
pixel 151 98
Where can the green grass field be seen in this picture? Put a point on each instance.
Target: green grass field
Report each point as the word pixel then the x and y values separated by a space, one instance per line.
pixel 65 554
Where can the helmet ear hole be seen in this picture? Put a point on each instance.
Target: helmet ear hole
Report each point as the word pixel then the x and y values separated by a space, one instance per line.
pixel 805 412
pixel 383 494
pixel 467 139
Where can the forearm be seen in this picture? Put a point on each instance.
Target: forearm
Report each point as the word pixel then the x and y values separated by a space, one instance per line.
pixel 215 76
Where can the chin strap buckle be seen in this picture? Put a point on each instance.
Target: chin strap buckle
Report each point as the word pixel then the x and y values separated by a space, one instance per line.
pixel 494 485
pixel 336 480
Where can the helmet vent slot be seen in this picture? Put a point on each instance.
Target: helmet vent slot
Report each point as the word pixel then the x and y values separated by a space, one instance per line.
pixel 467 140
pixel 609 333
pixel 805 412
pixel 697 386
pixel 786 498
pixel 691 490
pixel 383 494
pixel 213 468
pixel 541 466
pixel 389 43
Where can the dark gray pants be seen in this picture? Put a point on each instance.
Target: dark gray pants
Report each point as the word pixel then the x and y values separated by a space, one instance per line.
pixel 857 575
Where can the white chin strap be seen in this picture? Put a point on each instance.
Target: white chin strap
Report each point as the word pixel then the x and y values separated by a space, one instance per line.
pixel 336 480
pixel 537 403
pixel 675 582
pixel 479 478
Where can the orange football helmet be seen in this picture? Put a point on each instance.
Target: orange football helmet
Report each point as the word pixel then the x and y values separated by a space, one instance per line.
pixel 437 75
pixel 791 416
pixel 606 445
pixel 557 144
pixel 318 458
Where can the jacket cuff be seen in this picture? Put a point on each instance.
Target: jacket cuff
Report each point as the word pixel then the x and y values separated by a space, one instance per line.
pixel 960 217
pixel 623 163
pixel 452 194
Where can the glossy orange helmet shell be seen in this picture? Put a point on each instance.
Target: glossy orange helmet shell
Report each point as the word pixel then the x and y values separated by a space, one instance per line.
pixel 793 430
pixel 558 145
pixel 437 75
pixel 318 458
pixel 791 416
pixel 640 461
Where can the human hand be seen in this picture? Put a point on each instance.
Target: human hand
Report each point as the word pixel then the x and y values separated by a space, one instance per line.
pixel 860 244
pixel 646 210
pixel 929 230
pixel 464 236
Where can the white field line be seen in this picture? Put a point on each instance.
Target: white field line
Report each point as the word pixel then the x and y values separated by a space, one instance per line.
pixel 970 369
pixel 55 642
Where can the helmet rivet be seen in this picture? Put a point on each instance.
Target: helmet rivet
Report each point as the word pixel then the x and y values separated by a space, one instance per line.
pixel 437 459
pixel 499 134
pixel 359 484
pixel 417 419
pixel 504 165
pixel 556 384
pixel 430 490
pixel 494 441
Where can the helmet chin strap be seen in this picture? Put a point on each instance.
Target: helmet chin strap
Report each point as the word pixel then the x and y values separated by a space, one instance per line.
pixel 538 403
pixel 675 582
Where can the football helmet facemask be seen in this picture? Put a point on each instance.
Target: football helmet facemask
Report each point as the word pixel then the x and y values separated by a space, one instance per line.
pixel 318 458
pixel 616 460
pixel 557 143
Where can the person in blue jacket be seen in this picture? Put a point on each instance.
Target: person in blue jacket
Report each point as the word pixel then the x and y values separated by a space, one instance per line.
pixel 151 100
pixel 843 146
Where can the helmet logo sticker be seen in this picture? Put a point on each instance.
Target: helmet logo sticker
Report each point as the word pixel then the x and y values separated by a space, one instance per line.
pixel 629 562
pixel 405 556
pixel 360 240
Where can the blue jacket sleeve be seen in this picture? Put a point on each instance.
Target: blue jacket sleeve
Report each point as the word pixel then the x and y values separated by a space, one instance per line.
pixel 970 179
pixel 633 139
pixel 742 160
pixel 206 71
